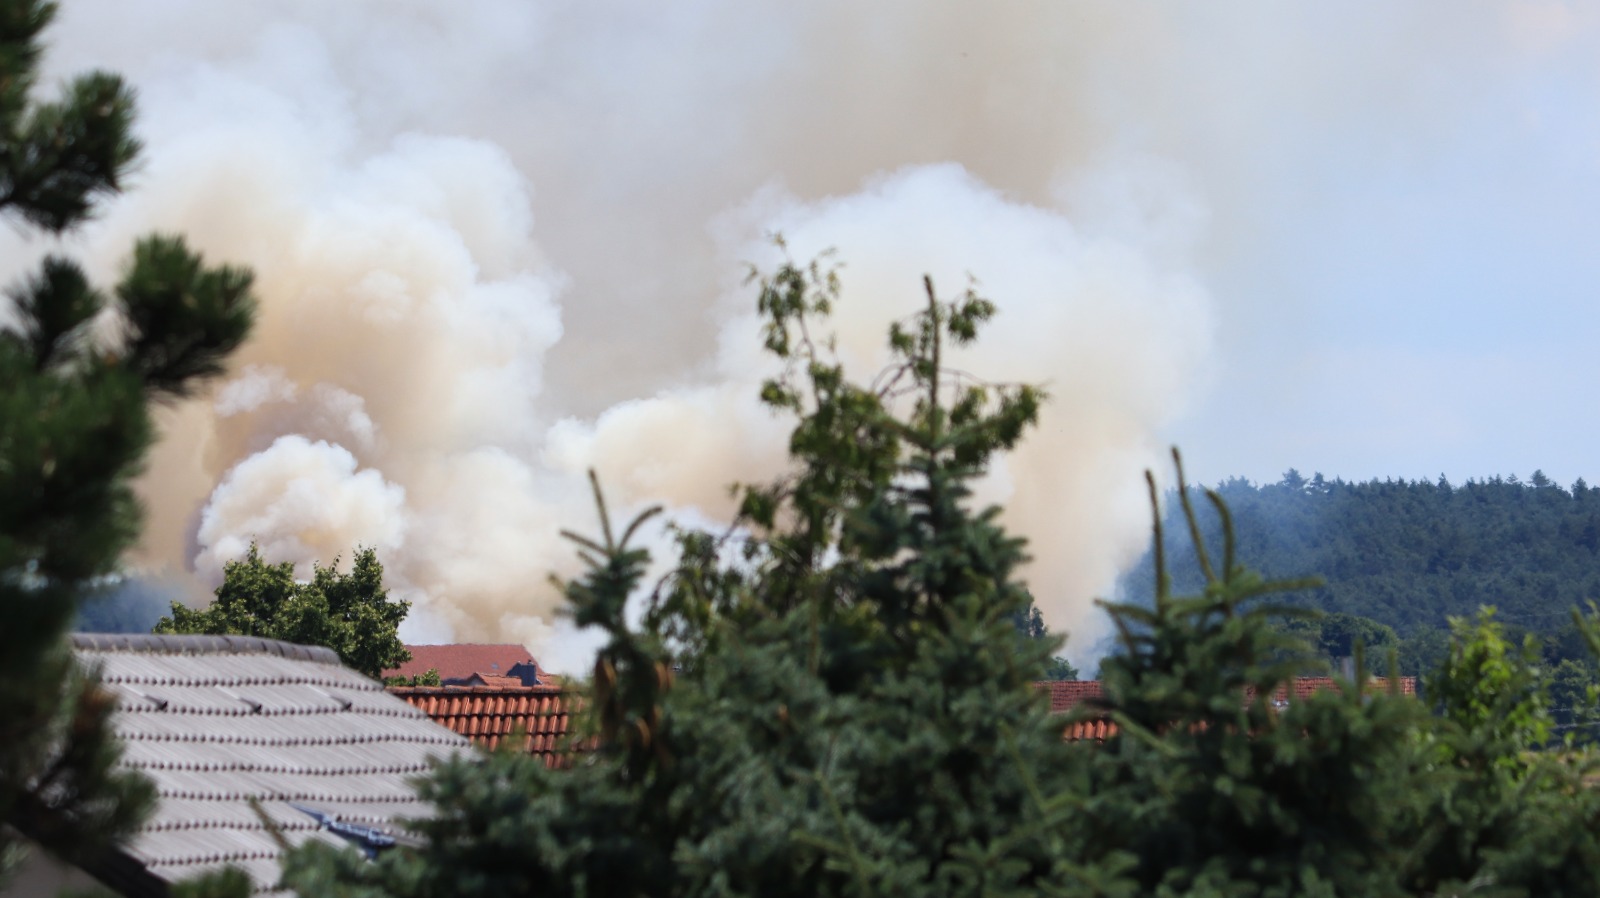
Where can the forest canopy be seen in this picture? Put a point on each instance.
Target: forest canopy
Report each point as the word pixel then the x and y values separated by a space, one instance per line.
pixel 1409 555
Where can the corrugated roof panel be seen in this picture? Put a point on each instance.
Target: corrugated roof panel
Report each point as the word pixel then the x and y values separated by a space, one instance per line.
pixel 286 730
pixel 214 721
pixel 260 871
pixel 176 814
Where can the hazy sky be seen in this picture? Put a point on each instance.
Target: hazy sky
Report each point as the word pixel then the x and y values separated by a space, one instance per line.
pixel 501 241
pixel 1427 293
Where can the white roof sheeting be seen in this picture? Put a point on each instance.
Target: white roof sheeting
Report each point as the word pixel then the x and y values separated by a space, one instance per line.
pixel 215 721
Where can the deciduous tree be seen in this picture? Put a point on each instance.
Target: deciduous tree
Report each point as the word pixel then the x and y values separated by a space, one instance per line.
pixel 349 613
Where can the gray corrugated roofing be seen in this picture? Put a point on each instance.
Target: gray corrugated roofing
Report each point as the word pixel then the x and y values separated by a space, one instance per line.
pixel 162 644
pixel 217 720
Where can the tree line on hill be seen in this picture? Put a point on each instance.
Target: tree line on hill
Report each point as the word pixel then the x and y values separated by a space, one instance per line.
pixel 1398 559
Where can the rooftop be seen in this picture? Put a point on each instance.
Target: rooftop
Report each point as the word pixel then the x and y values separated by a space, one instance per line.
pixel 492 714
pixel 1069 695
pixel 460 661
pixel 214 721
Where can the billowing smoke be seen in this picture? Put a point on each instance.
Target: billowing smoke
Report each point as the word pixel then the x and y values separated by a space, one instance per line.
pixel 1116 340
pixel 500 242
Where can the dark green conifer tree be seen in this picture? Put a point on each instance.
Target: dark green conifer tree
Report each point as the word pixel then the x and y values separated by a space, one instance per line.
pixel 836 702
pixel 74 425
pixel 1217 784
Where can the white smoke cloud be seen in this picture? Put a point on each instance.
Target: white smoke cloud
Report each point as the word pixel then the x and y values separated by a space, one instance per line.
pixel 1118 341
pixel 299 501
pixel 434 367
pixel 388 396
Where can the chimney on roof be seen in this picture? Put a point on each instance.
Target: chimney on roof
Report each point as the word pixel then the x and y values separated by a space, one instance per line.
pixel 527 672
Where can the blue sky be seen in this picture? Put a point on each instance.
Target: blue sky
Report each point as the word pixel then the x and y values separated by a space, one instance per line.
pixel 1423 299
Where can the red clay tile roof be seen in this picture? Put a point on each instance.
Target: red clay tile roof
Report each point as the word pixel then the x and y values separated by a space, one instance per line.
pixel 1305 687
pixel 457 662
pixel 1066 695
pixel 489 715
pixel 1090 731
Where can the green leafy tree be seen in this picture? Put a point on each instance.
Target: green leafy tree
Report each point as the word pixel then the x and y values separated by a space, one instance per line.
pixel 1059 668
pixel 1219 788
pixel 1341 635
pixel 1423 651
pixel 1490 685
pixel 1493 707
pixel 429 677
pixel 1338 637
pixel 1573 700
pixel 1030 623
pixel 1551 845
pixel 349 613
pixel 74 426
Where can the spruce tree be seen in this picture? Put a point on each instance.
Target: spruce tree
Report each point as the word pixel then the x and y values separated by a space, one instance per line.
pixel 834 700
pixel 74 426
pixel 1217 784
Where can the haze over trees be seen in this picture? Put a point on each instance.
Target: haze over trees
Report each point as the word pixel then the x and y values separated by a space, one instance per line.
pixel 124 605
pixel 837 700
pixel 1409 555
pixel 75 422
pixel 1030 623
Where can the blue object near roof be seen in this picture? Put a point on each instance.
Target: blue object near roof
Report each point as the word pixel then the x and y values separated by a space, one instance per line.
pixel 369 839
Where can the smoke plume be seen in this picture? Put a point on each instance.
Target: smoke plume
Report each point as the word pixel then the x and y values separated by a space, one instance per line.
pixel 498 243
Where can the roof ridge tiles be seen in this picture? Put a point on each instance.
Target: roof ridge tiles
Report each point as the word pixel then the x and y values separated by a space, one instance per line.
pixel 212 857
pixel 235 797
pixel 175 826
pixel 295 770
pixel 281 741
pixel 191 644
pixel 348 684
pixel 270 712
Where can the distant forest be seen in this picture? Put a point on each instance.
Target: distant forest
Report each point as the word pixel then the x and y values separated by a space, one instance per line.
pixel 1408 555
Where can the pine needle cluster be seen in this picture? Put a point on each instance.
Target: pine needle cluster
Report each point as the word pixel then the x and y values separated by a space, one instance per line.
pixel 74 426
